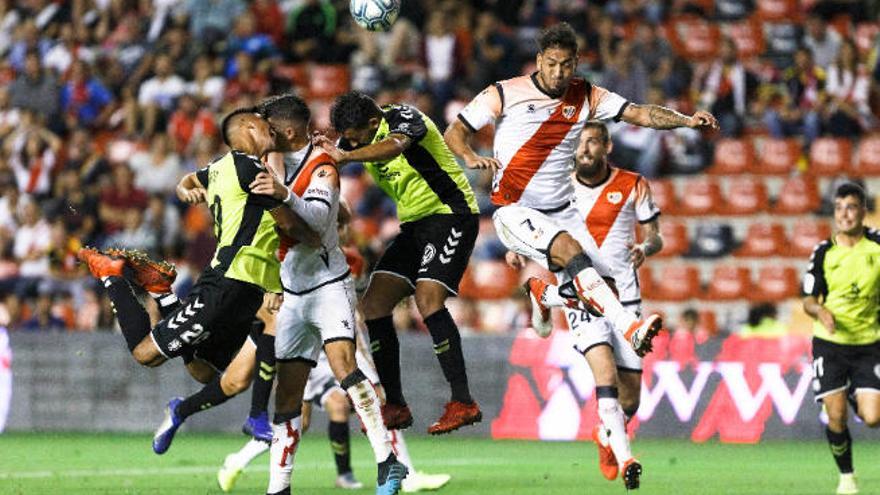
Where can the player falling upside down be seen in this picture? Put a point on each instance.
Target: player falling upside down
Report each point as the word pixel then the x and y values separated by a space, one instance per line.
pixel 405 153
pixel 319 302
pixel 538 119
pixel 213 323
pixel 611 202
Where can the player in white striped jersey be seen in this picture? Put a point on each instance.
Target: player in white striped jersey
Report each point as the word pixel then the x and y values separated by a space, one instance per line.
pixel 319 303
pixel 610 202
pixel 537 121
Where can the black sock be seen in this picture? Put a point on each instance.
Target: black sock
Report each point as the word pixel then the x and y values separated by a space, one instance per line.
pixel 133 318
pixel 265 374
pixel 209 396
pixel 447 347
pixel 339 442
pixel 386 355
pixel 841 449
pixel 167 303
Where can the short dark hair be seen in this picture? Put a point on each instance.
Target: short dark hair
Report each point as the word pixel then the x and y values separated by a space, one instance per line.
pixel 598 124
pixel 353 110
pixel 287 107
pixel 228 119
pixel 851 189
pixel 559 35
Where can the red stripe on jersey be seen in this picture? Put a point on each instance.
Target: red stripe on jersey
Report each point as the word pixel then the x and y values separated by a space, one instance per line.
pixel 531 156
pixel 610 202
pixel 300 184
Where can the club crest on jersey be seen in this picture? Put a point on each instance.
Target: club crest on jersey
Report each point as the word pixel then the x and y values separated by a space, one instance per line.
pixel 568 111
pixel 530 108
pixel 614 197
pixel 428 255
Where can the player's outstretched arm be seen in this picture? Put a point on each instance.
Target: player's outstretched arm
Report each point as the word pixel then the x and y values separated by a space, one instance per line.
pixel 384 150
pixel 290 223
pixel 484 109
pixel 659 117
pixel 190 189
pixel 457 136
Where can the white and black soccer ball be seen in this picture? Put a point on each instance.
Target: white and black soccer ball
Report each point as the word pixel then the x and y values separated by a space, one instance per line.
pixel 374 15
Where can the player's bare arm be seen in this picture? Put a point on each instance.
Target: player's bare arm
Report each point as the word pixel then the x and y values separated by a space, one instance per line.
pixel 386 149
pixel 190 190
pixel 651 245
pixel 457 137
pixel 814 308
pixel 659 117
pixel 289 222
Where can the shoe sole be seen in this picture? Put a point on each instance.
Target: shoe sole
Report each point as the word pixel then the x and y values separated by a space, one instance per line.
pixel 141 261
pixel 632 476
pixel 473 420
pixel 646 344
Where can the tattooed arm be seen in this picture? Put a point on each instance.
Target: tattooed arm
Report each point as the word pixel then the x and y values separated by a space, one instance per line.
pixel 658 117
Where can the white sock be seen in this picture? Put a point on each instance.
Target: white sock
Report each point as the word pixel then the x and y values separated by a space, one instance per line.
pixel 400 448
pixel 611 415
pixel 594 291
pixel 164 299
pixel 552 299
pixel 285 440
pixel 366 404
pixel 250 451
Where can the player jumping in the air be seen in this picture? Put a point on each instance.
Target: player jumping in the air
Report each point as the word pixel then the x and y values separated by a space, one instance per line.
pixel 538 119
pixel 611 202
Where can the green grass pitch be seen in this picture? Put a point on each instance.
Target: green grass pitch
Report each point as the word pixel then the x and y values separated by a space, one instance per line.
pixel 74 463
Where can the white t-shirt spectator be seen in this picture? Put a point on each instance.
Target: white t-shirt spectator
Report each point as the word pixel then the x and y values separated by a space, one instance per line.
pixel 210 90
pixel 29 239
pixel 155 177
pixel 161 92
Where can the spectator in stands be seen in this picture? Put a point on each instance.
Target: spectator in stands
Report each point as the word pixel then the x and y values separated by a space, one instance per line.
pixel 726 88
pixel 625 74
pixel 84 99
pixel 177 44
pixel 164 220
pixel 65 50
pixel 9 203
pixel 211 20
pixel 649 48
pixel 639 148
pixel 762 322
pixel 83 157
pixel 821 39
pixel 36 89
pixel 189 123
pixel 9 116
pixel 75 206
pixel 443 58
pixel 64 267
pixel 246 84
pixel 32 151
pixel 118 198
pixel 42 319
pixel 27 41
pixel 246 38
pixel 848 112
pixel 310 28
pixel 269 19
pixel 158 169
pixel 158 94
pixel 797 112
pixel 494 52
pixel 31 248
pixel 207 86
pixel 135 234
pixel 126 45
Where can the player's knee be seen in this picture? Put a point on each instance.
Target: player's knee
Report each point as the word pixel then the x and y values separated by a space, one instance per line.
pixel 146 356
pixel 234 384
pixel 564 248
pixel 429 301
pixel 872 421
pixel 630 406
pixel 337 406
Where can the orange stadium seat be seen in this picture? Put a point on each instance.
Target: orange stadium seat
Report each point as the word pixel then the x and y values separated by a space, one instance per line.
pixel 830 156
pixel 776 10
pixel 663 193
pixel 799 195
pixel 763 240
pixel 746 196
pixel 868 158
pixel 329 81
pixel 732 156
pixel 295 74
pixel 729 282
pixel 646 282
pixel 775 283
pixel 675 238
pixel 748 36
pixel 702 197
pixel 693 38
pixel 806 234
pixel 488 280
pixel 776 157
pixel 676 283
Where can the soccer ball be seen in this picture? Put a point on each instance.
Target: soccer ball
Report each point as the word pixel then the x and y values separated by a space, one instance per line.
pixel 375 15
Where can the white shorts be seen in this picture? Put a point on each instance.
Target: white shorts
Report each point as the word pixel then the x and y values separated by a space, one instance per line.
pixel 322 382
pixel 588 331
pixel 529 232
pixel 308 321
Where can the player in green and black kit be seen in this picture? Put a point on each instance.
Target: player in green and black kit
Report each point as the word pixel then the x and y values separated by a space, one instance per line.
pixel 842 292
pixel 405 153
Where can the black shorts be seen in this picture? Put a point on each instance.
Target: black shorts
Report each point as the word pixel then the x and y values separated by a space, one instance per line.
pixel 212 323
pixel 437 248
pixel 839 367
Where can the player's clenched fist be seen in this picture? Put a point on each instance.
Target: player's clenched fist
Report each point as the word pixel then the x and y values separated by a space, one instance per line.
pixel 482 162
pixel 268 185
pixel 702 119
pixel 192 196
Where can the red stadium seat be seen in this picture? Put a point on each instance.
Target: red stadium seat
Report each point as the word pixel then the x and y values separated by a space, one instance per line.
pixel 806 234
pixel 296 74
pixel 676 283
pixel 702 197
pixel 830 156
pixel 646 282
pixel 729 282
pixel 746 196
pixel 775 283
pixel 329 81
pixel 776 10
pixel 694 38
pixel 763 240
pixel 748 36
pixel 732 156
pixel 663 193
pixel 488 280
pixel 675 238
pixel 799 195
pixel 776 157
pixel 868 159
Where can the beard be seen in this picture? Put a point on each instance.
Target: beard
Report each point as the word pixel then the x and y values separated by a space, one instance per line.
pixel 589 168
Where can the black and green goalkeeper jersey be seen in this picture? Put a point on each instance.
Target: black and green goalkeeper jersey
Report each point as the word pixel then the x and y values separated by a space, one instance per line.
pixel 847 282
pixel 425 179
pixel 246 238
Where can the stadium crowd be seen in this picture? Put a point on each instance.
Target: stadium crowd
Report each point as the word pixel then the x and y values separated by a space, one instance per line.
pixel 105 104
